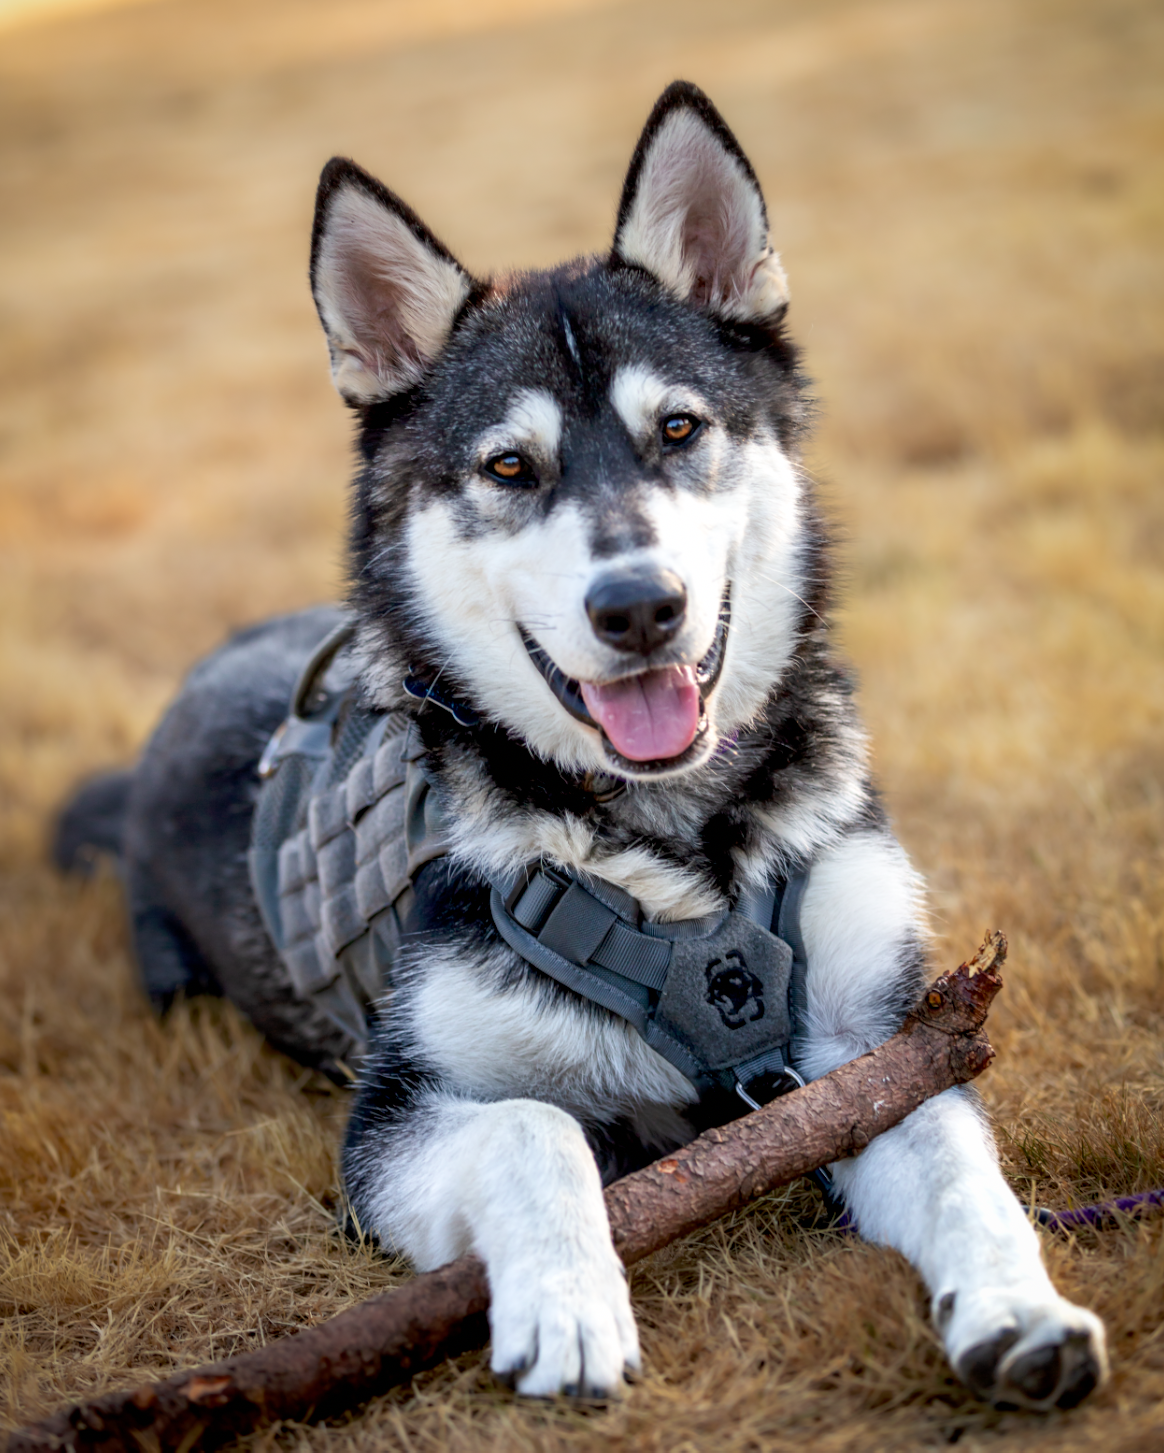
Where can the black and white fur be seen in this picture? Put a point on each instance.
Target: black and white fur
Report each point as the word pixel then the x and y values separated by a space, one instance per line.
pixel 496 1103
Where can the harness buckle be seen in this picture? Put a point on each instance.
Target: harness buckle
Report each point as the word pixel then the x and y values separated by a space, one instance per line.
pixel 271 753
pixel 787 1073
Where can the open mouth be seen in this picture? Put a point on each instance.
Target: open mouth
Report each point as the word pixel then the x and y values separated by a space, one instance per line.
pixel 649 720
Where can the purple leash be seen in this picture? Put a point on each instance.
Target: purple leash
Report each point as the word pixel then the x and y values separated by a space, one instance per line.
pixel 1105 1213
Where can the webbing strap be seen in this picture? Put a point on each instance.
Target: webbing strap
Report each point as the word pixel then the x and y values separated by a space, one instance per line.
pixel 787 927
pixel 762 907
pixel 616 997
pixel 584 935
pixel 571 922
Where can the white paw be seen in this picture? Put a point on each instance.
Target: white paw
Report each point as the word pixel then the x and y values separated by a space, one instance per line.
pixel 1022 1347
pixel 562 1323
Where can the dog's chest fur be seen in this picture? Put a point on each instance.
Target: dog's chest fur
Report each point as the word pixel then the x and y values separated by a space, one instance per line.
pixel 772 797
pixel 485 1023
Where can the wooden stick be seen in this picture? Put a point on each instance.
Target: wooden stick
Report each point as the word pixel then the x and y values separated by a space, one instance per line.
pixel 384 1341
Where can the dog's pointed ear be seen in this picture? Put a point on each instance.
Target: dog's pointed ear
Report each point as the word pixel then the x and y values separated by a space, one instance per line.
pixel 387 291
pixel 692 213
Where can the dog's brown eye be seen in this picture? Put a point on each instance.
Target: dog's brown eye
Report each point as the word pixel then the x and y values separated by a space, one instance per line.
pixel 511 469
pixel 679 428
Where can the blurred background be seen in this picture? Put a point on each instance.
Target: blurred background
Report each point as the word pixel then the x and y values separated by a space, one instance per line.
pixel 968 196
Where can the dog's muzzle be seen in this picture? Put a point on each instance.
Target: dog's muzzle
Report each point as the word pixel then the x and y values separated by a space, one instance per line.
pixel 569 694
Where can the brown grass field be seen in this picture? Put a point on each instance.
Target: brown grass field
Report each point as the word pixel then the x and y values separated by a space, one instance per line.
pixel 969 198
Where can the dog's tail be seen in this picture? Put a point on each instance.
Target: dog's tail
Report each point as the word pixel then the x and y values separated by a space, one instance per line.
pixel 92 823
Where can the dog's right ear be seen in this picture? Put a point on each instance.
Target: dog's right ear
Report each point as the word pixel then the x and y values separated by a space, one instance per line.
pixel 387 291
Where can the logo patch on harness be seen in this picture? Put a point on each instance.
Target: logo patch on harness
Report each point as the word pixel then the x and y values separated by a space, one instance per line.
pixel 726 995
pixel 734 991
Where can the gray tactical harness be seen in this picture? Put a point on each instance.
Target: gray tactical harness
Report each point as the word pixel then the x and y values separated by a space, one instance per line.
pixel 347 817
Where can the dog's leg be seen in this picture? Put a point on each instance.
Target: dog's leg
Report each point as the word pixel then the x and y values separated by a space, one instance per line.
pixel 932 1187
pixel 514 1181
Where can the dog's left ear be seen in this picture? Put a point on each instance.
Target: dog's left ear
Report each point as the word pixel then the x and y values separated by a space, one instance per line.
pixel 692 213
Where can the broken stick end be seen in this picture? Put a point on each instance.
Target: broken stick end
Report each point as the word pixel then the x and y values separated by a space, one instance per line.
pixel 991 954
pixel 958 1003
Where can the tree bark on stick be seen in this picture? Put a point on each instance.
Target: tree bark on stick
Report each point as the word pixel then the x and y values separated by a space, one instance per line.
pixel 384 1341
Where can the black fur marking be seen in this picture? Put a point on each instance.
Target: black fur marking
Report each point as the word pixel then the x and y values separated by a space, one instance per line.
pixel 618 1150
pixel 909 979
pixel 571 351
pixel 449 902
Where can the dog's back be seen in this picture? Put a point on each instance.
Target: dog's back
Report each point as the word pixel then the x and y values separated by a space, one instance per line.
pixel 179 828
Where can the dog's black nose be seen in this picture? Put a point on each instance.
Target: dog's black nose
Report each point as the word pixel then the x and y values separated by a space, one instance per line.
pixel 637 612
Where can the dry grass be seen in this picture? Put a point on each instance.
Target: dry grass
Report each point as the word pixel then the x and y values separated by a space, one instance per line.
pixel 968 196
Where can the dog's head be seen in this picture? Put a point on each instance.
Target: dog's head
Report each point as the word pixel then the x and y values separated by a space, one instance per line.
pixel 578 512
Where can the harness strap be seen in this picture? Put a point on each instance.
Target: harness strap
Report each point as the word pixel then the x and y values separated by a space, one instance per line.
pixel 617 992
pixel 584 934
pixel 786 922
pixel 572 922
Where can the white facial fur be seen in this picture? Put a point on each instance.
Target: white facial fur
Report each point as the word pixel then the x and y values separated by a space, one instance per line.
pixel 739 527
pixel 641 398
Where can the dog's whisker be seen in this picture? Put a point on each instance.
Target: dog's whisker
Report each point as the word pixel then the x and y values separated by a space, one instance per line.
pixel 780 585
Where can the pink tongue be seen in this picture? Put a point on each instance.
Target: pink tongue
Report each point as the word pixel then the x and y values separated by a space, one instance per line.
pixel 649 717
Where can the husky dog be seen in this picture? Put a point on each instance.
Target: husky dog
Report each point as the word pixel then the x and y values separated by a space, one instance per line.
pixel 581 523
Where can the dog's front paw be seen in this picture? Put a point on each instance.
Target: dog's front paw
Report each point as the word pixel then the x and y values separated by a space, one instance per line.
pixel 1034 1351
pixel 563 1325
